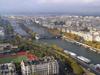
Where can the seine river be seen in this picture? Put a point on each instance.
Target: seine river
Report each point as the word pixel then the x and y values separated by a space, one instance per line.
pixel 79 50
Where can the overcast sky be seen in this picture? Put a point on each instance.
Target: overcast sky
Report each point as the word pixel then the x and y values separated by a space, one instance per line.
pixel 49 5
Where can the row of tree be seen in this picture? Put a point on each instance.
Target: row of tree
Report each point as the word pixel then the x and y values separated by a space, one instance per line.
pixel 54 31
pixel 94 44
pixel 72 36
pixel 10 28
pixel 19 36
pixel 55 47
pixel 74 65
pixel 1 42
pixel 32 32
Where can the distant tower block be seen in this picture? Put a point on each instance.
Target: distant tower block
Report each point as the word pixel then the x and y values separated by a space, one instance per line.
pixel 37 36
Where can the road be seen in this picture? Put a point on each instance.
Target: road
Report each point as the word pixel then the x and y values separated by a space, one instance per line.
pixel 62 70
pixel 85 65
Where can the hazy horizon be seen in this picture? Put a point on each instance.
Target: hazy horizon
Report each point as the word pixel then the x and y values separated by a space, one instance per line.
pixel 42 6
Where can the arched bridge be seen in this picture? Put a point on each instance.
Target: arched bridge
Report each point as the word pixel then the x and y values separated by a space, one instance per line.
pixel 41 36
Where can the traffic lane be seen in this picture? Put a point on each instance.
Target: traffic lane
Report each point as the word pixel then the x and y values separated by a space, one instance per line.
pixel 61 71
pixel 68 71
pixel 64 66
pixel 91 69
pixel 87 66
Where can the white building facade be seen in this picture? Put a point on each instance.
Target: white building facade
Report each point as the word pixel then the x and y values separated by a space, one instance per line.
pixel 86 35
pixel 41 66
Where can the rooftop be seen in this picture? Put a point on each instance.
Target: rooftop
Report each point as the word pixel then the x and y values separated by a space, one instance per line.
pixel 7 67
pixel 5 44
pixel 39 61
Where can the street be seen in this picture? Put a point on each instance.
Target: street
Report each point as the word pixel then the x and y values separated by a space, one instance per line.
pixel 62 70
pixel 85 65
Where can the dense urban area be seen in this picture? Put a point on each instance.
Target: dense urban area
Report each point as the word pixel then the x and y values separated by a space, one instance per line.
pixel 21 56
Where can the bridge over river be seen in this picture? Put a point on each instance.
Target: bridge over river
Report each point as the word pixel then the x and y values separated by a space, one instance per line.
pixel 43 36
pixel 49 35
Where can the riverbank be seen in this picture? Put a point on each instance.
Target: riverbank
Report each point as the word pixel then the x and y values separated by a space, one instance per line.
pixel 82 44
pixel 53 31
pixel 68 39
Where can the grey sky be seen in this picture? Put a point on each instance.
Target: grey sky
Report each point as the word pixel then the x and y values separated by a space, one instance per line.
pixel 49 5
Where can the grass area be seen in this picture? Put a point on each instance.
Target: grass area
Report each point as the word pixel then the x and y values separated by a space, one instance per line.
pixel 17 59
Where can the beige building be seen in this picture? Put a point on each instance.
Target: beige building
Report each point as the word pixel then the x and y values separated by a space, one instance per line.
pixel 63 30
pixel 42 66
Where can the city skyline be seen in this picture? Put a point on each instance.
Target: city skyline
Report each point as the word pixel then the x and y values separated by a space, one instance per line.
pixel 35 6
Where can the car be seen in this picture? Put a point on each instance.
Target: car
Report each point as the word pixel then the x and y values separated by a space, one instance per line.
pixel 65 68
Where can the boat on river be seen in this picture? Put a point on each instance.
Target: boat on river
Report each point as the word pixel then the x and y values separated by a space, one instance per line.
pixel 67 40
pixel 71 53
pixel 84 59
pixel 93 50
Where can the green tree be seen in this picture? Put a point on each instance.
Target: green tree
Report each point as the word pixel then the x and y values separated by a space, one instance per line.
pixel 53 46
pixel 68 62
pixel 78 37
pixel 45 44
pixel 94 45
pixel 98 46
pixel 17 65
pixel 88 43
pixel 77 69
pixel 16 43
pixel 24 39
pixel 3 42
pixel 74 65
pixel 60 49
pixel 42 54
pixel 19 36
pixel 30 39
pixel 36 52
pixel 73 36
pixel 68 54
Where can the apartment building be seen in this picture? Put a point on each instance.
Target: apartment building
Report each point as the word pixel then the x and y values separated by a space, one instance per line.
pixel 42 66
pixel 7 69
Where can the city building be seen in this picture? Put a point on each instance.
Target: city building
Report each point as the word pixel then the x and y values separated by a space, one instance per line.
pixel 42 66
pixel 2 34
pixel 87 27
pixel 63 29
pixel 7 69
pixel 97 38
pixel 86 35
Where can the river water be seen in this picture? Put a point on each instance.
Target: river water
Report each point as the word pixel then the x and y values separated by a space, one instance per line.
pixel 79 50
